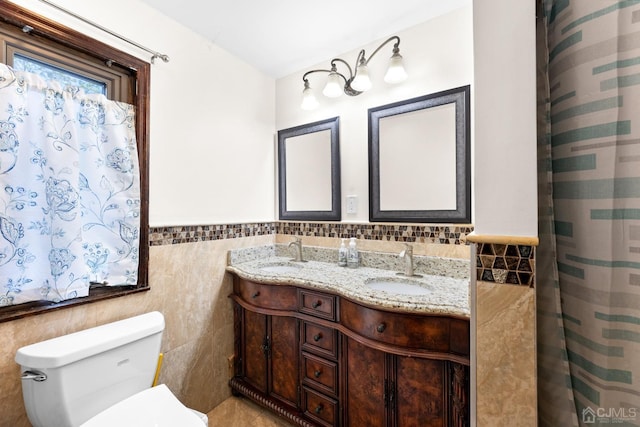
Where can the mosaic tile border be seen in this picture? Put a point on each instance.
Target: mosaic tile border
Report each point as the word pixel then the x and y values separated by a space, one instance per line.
pixel 439 234
pixel 199 233
pixel 506 264
pixel 445 234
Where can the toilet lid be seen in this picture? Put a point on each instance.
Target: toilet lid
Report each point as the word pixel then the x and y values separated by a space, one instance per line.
pixel 153 407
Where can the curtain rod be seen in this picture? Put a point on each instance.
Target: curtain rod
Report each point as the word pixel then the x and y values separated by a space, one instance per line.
pixel 154 53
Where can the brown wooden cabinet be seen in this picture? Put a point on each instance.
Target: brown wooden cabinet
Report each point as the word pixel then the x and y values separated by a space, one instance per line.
pixel 366 394
pixel 320 359
pixel 388 390
pixel 269 359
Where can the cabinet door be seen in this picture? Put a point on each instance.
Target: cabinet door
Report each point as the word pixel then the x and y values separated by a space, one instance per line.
pixel 419 389
pixel 365 390
pixel 255 349
pixel 284 359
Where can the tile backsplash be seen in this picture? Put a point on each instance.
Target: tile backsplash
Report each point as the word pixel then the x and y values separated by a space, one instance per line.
pixel 428 233
pixel 506 264
pixel 446 234
pixel 173 235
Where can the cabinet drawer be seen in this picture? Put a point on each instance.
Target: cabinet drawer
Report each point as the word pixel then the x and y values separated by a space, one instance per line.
pixel 320 408
pixel 317 304
pixel 319 340
pixel 320 374
pixel 405 330
pixel 278 297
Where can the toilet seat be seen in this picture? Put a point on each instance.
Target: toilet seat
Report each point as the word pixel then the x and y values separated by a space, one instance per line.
pixel 153 407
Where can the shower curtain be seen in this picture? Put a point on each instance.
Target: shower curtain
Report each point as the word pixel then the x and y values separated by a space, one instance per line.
pixel 588 261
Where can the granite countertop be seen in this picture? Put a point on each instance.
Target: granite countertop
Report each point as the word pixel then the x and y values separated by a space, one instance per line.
pixel 445 280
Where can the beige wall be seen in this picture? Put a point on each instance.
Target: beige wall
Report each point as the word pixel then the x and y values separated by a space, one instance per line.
pixel 504 118
pixel 189 286
pixel 208 110
pixel 438 55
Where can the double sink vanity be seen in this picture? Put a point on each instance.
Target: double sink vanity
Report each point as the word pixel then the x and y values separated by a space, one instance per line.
pixel 324 345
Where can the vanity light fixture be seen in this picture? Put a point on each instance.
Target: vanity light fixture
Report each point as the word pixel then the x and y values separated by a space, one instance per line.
pixel 357 82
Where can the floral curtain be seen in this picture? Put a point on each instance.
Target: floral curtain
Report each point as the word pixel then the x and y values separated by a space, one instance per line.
pixel 69 190
pixel 588 265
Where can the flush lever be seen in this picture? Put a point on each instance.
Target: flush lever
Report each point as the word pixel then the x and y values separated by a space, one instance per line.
pixel 34 375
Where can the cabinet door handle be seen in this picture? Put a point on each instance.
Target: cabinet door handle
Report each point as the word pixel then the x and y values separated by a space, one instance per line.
pixel 318 409
pixel 385 396
pixel 266 346
pixel 316 304
pixel 381 327
pixel 317 337
pixel 317 373
pixel 256 294
pixel 392 395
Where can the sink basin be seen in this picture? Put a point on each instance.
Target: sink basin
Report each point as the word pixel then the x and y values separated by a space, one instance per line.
pixel 398 286
pixel 280 268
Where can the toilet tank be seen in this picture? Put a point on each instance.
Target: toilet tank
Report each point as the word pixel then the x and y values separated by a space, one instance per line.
pixel 90 370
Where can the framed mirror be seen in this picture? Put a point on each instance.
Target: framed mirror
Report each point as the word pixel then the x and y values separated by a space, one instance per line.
pixel 309 172
pixel 419 159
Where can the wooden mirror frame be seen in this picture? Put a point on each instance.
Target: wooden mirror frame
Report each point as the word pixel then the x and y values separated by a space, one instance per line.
pixel 334 214
pixel 462 213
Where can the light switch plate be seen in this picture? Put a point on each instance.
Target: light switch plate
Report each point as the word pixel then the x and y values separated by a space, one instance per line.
pixel 352 204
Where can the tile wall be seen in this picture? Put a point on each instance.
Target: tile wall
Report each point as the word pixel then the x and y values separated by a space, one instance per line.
pixel 506 263
pixel 503 300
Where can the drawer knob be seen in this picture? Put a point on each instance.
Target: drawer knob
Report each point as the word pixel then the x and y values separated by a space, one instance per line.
pixel 317 337
pixel 381 327
pixel 256 294
pixel 318 409
pixel 317 373
pixel 316 304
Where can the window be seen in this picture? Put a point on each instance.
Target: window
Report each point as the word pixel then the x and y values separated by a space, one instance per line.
pixel 51 72
pixel 33 43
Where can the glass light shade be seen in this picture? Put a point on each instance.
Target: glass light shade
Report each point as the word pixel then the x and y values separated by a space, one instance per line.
pixel 395 72
pixel 309 101
pixel 361 82
pixel 333 89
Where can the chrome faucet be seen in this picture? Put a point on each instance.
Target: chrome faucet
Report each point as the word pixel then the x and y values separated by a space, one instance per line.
pixel 407 254
pixel 297 243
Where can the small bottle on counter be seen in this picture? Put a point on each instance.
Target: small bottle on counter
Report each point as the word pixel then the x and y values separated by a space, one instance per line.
pixel 353 258
pixel 342 254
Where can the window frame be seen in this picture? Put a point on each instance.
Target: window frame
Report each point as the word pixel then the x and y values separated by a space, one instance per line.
pixel 45 29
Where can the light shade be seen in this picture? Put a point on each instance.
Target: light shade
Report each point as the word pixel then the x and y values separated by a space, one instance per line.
pixel 361 81
pixel 395 72
pixel 356 80
pixel 309 101
pixel 333 88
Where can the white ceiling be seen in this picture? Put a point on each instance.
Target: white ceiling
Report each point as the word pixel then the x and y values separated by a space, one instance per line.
pixel 280 37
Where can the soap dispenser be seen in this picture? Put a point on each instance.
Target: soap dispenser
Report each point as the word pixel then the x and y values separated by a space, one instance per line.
pixel 353 258
pixel 343 254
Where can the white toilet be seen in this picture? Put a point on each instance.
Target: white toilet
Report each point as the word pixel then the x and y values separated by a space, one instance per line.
pixel 102 377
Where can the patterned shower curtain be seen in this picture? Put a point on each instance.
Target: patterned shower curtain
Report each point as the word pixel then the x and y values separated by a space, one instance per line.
pixel 69 191
pixel 588 271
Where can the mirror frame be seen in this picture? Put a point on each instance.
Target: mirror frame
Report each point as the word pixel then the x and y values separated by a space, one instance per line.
pixel 335 214
pixel 462 214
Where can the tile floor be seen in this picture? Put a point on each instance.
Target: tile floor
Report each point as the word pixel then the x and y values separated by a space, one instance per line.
pixel 240 412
